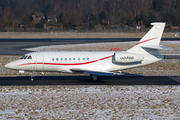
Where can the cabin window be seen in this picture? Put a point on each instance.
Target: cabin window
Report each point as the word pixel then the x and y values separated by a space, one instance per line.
pixel 87 59
pixel 69 59
pixel 57 59
pixel 52 59
pixel 83 59
pixel 74 59
pixel 78 59
pixel 61 59
pixel 65 59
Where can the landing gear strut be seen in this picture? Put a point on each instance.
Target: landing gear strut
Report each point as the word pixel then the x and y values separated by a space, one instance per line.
pixel 32 79
pixel 93 77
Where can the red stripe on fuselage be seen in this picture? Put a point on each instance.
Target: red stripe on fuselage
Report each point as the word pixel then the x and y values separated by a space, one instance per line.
pixel 145 41
pixel 66 63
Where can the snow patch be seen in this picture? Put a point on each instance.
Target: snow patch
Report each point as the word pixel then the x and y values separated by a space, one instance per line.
pixel 90 102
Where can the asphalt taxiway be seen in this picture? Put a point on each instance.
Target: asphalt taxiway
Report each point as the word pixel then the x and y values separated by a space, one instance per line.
pixel 84 80
pixel 14 46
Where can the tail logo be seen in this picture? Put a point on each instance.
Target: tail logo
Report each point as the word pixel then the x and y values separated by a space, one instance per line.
pixel 146 40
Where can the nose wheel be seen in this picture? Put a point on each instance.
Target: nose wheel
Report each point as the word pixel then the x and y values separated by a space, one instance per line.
pixel 93 77
pixel 32 79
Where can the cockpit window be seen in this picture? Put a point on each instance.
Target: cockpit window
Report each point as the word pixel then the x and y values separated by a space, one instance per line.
pixel 29 57
pixel 22 57
pixel 26 57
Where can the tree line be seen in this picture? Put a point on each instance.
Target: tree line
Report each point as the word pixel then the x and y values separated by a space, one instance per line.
pixel 87 13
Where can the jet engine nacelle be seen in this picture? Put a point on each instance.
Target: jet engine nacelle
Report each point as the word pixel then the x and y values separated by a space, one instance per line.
pixel 125 57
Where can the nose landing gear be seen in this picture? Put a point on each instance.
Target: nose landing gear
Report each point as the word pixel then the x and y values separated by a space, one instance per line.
pixel 32 79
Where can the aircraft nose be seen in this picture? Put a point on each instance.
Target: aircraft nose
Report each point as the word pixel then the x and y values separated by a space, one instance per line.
pixel 9 65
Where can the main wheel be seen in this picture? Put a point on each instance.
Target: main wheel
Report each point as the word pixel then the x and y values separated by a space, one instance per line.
pixel 93 77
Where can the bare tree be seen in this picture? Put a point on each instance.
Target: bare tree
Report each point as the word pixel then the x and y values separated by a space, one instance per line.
pixel 7 15
pixel 55 9
pixel 72 15
pixel 113 6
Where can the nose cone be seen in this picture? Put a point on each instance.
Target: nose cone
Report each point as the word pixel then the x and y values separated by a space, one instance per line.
pixel 9 66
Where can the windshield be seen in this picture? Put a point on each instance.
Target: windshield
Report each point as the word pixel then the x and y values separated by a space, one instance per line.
pixel 22 57
pixel 26 57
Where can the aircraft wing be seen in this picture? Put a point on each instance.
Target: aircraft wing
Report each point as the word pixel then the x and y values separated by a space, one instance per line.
pixel 95 72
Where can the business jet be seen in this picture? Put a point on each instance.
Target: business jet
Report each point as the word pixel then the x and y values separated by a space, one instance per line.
pixel 108 63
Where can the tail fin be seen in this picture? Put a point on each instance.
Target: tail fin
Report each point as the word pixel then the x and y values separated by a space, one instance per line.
pixel 150 42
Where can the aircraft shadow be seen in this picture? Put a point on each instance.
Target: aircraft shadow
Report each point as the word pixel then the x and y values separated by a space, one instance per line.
pixel 84 80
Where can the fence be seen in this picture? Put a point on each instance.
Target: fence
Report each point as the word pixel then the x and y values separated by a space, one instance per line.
pixel 117 30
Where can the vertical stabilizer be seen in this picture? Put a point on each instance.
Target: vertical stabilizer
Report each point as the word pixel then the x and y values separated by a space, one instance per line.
pixel 152 38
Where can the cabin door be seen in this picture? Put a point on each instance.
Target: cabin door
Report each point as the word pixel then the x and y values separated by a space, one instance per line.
pixel 40 62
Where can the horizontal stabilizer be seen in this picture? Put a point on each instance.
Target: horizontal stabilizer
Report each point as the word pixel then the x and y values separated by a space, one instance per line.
pixel 171 56
pixel 156 47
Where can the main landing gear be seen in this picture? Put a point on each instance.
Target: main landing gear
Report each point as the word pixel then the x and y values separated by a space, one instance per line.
pixel 93 77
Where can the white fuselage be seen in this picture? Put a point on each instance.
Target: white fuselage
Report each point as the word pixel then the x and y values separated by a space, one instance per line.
pixel 64 61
